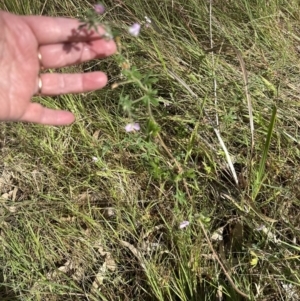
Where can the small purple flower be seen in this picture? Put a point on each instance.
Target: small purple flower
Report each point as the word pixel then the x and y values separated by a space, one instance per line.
pixel 184 224
pixel 132 127
pixel 99 8
pixel 134 29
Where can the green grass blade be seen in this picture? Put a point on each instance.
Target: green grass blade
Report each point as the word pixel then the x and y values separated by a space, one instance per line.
pixel 262 164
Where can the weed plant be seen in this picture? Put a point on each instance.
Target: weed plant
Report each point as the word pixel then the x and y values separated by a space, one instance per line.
pixel 203 204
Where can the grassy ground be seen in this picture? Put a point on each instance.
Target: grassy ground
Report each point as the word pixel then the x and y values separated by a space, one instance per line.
pixel 76 229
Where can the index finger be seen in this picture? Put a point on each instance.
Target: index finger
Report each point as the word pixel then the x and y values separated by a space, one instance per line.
pixel 52 30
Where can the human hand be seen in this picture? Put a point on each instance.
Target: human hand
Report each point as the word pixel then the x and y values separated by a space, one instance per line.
pixel 60 44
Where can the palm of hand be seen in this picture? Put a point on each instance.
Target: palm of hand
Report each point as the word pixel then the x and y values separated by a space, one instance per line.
pixel 19 68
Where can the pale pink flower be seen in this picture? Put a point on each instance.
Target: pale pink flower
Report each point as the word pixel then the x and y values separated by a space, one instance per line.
pixel 99 8
pixel 134 29
pixel 184 224
pixel 132 127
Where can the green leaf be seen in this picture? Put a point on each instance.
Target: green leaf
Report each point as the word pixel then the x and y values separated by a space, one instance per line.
pixel 152 128
pixel 125 102
pixel 261 171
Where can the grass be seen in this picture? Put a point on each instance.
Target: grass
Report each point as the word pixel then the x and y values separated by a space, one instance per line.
pixel 75 229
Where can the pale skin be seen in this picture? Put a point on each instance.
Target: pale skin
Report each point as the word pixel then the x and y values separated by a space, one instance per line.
pixel 60 44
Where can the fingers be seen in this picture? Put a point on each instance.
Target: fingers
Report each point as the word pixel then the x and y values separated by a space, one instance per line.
pixel 36 113
pixel 56 83
pixel 50 30
pixel 59 55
